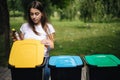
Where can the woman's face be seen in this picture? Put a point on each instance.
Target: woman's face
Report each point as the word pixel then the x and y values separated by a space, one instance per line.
pixel 35 15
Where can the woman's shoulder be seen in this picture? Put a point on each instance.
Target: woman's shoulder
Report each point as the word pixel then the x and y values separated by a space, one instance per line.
pixel 25 24
pixel 51 28
pixel 50 25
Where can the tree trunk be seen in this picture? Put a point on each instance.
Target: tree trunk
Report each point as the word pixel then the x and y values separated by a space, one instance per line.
pixel 4 16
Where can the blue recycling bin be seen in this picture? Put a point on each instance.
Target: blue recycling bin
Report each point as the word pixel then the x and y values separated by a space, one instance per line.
pixel 65 67
pixel 102 67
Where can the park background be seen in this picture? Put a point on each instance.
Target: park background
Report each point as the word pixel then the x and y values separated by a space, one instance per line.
pixel 82 27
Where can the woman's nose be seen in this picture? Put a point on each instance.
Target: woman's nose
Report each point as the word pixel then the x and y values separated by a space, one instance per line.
pixel 34 16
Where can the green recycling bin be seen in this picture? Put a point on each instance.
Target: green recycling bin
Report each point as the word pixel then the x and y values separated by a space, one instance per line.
pixel 65 67
pixel 102 67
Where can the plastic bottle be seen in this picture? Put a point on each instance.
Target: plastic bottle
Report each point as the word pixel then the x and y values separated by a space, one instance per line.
pixel 15 34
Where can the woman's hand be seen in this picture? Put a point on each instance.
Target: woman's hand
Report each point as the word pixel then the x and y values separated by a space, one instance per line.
pixel 15 39
pixel 48 42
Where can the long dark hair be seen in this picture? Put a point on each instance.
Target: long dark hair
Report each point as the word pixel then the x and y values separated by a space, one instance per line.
pixel 38 5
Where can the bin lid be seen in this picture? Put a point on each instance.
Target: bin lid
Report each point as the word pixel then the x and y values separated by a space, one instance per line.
pixel 65 61
pixel 102 60
pixel 27 53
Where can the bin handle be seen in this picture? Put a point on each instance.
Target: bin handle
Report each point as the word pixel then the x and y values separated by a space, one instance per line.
pixel 43 64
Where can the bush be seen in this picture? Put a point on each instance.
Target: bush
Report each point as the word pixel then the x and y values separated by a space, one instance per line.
pixel 16 13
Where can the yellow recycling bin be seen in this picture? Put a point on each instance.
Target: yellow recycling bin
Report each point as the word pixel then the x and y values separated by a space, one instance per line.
pixel 26 60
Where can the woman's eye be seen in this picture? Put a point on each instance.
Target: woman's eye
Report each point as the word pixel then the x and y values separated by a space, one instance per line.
pixel 37 13
pixel 31 14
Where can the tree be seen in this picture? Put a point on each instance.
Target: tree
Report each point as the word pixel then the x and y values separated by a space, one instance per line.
pixel 61 3
pixel 99 10
pixel 4 25
pixel 68 10
pixel 87 9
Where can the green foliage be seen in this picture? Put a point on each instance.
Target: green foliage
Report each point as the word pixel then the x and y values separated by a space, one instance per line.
pixel 14 5
pixel 16 22
pixel 86 10
pixel 99 10
pixel 71 11
pixel 61 3
pixel 16 13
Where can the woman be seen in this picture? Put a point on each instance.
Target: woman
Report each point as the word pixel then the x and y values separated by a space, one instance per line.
pixel 38 28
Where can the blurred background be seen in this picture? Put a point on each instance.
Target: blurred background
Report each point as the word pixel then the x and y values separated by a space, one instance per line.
pixel 82 26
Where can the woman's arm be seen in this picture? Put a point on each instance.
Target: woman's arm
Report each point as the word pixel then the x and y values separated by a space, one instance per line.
pixel 49 42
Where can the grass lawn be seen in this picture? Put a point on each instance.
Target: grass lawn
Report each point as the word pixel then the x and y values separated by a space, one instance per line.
pixel 79 38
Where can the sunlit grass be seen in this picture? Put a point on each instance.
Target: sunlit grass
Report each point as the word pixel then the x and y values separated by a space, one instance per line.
pixel 79 38
pixel 16 22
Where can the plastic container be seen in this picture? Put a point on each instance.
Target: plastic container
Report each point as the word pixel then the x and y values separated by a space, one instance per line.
pixel 15 34
pixel 26 60
pixel 102 67
pixel 65 67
